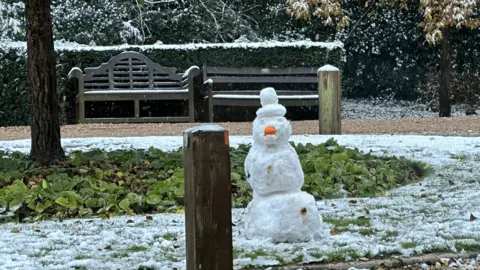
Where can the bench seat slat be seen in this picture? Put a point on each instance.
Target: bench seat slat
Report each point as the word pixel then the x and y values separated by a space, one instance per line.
pixel 132 84
pixel 261 71
pixel 134 91
pixel 258 97
pixel 263 79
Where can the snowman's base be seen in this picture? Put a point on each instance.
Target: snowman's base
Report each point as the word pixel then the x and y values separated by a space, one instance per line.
pixel 284 218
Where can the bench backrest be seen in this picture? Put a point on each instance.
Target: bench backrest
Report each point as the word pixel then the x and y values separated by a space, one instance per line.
pixel 131 70
pixel 250 78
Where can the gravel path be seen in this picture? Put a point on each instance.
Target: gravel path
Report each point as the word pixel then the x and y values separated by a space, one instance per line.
pixel 359 117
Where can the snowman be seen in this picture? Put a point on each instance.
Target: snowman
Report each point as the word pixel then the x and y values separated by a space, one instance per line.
pixel 279 210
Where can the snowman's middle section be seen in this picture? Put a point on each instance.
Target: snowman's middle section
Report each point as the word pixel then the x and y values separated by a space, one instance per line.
pixel 276 170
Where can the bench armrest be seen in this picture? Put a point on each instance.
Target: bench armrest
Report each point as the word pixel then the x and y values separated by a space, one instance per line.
pixel 75 73
pixel 191 72
pixel 208 82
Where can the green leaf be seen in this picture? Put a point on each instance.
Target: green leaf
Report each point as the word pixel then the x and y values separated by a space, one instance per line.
pixel 125 205
pixel 153 199
pixel 62 201
pixel 341 157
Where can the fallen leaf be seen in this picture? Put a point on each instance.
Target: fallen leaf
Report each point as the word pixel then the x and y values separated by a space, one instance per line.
pixel 352 202
pixel 366 210
pixel 109 247
pixel 472 217
pixel 332 232
pixel 15 230
pixel 334 206
pixel 384 194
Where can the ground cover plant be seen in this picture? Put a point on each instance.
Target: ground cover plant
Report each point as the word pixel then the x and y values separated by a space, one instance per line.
pixel 137 181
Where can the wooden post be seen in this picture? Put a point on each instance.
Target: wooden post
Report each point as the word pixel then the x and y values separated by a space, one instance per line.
pixel 329 103
pixel 208 198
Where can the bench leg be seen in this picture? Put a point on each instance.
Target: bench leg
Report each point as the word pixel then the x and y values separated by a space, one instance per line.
pixel 210 111
pixel 191 110
pixel 81 112
pixel 137 108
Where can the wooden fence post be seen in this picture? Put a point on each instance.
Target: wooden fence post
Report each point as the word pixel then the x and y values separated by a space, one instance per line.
pixel 330 100
pixel 208 199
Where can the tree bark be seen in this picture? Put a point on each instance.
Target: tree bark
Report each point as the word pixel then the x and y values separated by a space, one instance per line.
pixel 445 107
pixel 45 123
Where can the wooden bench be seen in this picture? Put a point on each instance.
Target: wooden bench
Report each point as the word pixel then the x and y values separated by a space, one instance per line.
pixel 229 86
pixel 131 76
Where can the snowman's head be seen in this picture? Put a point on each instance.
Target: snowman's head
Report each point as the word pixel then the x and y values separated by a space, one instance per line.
pixel 271 128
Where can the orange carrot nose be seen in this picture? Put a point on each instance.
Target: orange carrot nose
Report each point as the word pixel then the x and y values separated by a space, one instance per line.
pixel 270 130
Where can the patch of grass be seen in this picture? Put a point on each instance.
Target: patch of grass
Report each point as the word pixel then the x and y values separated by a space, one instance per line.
pixel 80 267
pixel 280 259
pixel 316 255
pixel 362 222
pixel 389 235
pixel 410 244
pixel 237 252
pixel 472 246
pixel 137 249
pixel 341 254
pixel 118 255
pixel 81 256
pixel 169 236
pixel 341 225
pixel 42 252
pixel 254 254
pixel 367 231
pixel 171 258
pixel 459 157
pixel 298 258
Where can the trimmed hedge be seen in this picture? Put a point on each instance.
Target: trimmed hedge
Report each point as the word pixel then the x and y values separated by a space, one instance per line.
pixel 15 93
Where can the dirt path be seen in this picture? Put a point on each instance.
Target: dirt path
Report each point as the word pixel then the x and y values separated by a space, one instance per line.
pixel 465 126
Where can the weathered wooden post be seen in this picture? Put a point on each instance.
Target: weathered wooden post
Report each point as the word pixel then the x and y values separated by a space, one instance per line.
pixel 330 100
pixel 208 199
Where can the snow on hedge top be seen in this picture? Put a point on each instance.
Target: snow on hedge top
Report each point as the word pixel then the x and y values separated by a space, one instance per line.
pixel 71 46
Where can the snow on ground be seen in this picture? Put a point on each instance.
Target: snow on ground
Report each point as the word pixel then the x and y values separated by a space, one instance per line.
pixel 433 214
pixel 391 109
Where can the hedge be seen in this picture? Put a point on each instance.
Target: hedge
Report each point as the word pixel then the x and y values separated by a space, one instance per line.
pixel 15 93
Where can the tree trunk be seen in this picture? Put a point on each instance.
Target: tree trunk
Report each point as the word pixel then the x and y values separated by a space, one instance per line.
pixel 445 75
pixel 45 123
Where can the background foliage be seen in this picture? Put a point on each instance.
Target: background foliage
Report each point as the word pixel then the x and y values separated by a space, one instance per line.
pixel 386 52
pixel 14 109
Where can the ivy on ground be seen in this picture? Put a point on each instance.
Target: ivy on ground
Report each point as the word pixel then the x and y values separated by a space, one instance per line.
pixel 132 181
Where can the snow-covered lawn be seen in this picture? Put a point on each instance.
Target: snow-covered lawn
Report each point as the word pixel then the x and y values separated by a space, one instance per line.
pixel 431 215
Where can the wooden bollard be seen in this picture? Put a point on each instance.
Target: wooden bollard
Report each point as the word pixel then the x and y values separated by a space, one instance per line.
pixel 208 198
pixel 330 100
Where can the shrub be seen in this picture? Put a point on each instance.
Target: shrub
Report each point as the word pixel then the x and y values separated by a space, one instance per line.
pixel 99 183
pixel 15 92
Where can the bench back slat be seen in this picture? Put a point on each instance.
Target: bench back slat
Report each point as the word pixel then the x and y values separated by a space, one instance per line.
pixel 131 70
pixel 257 92
pixel 295 71
pixel 263 79
pixel 247 78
